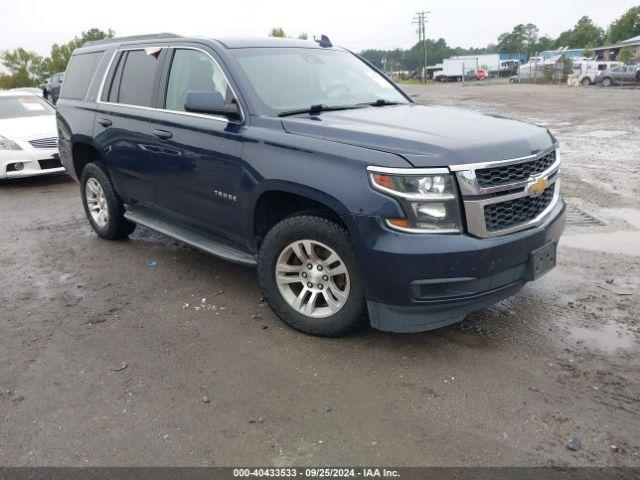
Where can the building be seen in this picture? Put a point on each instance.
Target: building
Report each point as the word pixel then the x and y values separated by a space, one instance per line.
pixel 610 52
pixel 568 53
pixel 521 57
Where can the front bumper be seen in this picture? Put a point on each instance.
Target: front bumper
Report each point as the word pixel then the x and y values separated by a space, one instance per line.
pixel 422 282
pixel 34 162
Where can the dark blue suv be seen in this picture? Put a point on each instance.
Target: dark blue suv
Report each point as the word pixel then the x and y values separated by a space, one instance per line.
pixel 355 204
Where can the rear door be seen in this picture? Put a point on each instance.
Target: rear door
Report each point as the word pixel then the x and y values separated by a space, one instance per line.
pixel 123 120
pixel 197 169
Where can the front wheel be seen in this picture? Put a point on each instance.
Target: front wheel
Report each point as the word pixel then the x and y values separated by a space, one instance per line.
pixel 309 276
pixel 606 82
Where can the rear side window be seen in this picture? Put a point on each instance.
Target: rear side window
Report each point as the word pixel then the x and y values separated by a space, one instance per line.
pixel 79 74
pixel 136 78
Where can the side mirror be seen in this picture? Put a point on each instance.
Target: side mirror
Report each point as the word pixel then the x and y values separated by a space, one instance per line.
pixel 212 103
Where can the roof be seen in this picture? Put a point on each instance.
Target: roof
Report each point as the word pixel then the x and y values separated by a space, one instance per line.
pixel 625 43
pixel 261 42
pixel 267 42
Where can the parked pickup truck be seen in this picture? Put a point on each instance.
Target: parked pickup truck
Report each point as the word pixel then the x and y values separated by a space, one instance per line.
pixel 356 204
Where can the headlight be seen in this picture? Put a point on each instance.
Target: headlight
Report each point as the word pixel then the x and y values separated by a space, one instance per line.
pixel 429 201
pixel 6 144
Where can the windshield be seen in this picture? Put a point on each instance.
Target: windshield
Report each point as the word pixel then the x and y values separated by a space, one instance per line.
pixel 297 78
pixel 24 106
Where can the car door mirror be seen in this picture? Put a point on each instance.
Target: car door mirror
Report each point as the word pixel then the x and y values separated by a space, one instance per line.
pixel 211 103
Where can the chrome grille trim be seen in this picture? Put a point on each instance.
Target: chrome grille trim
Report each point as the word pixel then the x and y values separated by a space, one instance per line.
pixel 475 198
pixel 51 142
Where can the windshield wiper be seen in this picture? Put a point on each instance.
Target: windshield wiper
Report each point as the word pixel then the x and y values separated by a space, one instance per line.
pixel 381 102
pixel 314 109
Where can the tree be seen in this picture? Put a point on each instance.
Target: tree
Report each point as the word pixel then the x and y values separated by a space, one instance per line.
pixel 522 39
pixel 625 55
pixel 303 36
pixel 60 54
pixel 584 34
pixel 627 26
pixel 26 69
pixel 530 34
pixel 545 43
pixel 277 32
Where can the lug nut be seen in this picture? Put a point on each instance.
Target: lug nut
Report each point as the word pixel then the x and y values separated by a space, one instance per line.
pixel 325 278
pixel 320 286
pixel 319 268
pixel 309 266
pixel 304 274
pixel 310 285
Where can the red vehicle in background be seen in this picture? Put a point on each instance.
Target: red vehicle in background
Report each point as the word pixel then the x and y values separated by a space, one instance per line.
pixel 481 75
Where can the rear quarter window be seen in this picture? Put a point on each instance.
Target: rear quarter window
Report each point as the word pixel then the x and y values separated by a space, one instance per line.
pixel 79 75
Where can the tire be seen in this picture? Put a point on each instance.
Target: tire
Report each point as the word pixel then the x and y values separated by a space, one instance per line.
pixel 111 225
pixel 607 82
pixel 323 317
pixel 586 81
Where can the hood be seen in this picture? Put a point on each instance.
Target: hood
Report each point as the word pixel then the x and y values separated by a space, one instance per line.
pixel 28 127
pixel 426 136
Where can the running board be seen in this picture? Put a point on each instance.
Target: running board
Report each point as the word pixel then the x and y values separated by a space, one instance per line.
pixel 190 237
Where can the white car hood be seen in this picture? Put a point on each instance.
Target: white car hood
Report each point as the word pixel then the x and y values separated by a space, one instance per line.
pixel 42 126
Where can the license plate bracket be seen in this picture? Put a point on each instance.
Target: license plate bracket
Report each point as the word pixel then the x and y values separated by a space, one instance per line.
pixel 542 260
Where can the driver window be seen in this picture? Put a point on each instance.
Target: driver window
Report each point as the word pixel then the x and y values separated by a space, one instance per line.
pixel 193 70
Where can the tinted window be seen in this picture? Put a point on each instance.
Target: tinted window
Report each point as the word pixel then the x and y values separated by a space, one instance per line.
pixel 138 74
pixel 193 70
pixel 23 106
pixel 79 74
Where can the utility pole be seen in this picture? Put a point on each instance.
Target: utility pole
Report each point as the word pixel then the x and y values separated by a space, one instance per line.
pixel 421 20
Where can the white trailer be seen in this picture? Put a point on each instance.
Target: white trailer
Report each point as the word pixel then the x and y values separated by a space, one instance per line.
pixel 454 68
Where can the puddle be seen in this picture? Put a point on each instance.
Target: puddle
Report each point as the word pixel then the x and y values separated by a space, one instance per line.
pixel 605 133
pixel 609 337
pixel 625 242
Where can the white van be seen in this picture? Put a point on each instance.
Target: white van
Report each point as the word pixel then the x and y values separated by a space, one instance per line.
pixel 590 71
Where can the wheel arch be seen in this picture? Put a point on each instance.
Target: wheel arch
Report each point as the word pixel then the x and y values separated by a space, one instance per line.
pixel 278 200
pixel 82 153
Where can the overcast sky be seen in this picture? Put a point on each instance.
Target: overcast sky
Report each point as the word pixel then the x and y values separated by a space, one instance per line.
pixel 35 25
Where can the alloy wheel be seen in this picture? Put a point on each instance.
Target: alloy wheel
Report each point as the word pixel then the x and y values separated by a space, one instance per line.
pixel 312 278
pixel 96 202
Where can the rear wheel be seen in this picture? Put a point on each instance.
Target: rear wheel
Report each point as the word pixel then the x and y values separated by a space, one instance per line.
pixel 102 205
pixel 309 277
pixel 586 81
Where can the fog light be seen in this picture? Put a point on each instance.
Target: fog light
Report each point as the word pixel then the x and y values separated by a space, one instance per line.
pixel 18 166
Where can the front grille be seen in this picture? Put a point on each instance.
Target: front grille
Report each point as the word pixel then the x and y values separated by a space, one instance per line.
pixel 499 216
pixel 51 142
pixel 50 163
pixel 519 172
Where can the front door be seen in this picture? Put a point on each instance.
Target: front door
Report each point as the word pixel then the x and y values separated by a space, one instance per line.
pixel 196 161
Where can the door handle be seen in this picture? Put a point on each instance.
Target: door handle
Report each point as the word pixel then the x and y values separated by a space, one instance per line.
pixel 105 122
pixel 162 134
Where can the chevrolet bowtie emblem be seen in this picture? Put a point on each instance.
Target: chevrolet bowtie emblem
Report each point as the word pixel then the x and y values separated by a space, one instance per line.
pixel 536 188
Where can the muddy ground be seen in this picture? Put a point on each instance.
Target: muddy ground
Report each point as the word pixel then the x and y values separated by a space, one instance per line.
pixel 106 360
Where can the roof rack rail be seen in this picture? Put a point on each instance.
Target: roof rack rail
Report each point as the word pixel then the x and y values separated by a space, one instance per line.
pixel 151 36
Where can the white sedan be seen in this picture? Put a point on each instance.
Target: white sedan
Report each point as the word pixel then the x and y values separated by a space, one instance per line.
pixel 28 136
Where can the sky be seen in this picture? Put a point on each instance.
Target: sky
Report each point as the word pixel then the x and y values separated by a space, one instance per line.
pixel 36 25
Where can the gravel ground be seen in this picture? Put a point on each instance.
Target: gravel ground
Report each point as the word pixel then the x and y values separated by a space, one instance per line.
pixel 108 360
